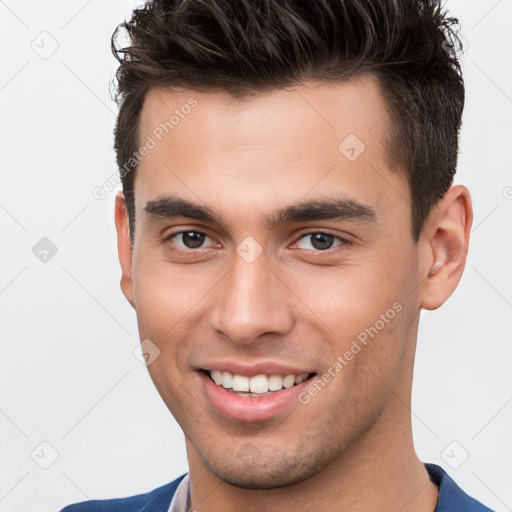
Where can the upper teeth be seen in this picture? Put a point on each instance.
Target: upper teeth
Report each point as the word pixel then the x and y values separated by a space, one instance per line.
pixel 257 384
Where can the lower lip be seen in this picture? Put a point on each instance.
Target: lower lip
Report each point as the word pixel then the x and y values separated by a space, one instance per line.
pixel 251 408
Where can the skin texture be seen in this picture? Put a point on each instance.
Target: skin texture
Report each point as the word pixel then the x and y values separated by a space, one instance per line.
pixel 350 447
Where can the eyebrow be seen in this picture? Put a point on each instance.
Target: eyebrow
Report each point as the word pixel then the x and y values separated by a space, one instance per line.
pixel 169 207
pixel 324 209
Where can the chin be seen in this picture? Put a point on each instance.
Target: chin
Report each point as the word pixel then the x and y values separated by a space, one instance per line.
pixel 260 479
pixel 253 472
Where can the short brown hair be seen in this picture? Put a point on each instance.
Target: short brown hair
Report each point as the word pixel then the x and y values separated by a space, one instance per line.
pixel 248 46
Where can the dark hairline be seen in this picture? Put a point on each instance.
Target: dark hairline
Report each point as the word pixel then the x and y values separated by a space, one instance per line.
pixel 409 44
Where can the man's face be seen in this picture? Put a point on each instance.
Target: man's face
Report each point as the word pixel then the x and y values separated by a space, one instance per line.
pixel 255 289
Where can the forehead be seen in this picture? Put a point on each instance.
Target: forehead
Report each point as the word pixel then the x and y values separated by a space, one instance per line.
pixel 278 145
pixel 352 106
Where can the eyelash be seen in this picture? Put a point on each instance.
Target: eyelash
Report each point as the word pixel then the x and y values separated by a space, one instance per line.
pixel 343 241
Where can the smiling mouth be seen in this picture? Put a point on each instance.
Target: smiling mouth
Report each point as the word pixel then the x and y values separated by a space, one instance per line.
pixel 257 385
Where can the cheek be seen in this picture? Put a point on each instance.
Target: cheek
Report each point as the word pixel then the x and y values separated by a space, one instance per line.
pixel 165 294
pixel 362 307
pixel 366 363
pixel 350 298
pixel 165 303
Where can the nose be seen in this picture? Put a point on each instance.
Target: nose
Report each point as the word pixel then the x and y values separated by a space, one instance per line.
pixel 250 301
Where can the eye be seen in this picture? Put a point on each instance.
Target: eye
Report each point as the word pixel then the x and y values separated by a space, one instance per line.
pixel 320 241
pixel 187 240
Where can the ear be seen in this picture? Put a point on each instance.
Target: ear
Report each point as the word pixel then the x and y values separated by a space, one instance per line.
pixel 445 246
pixel 124 248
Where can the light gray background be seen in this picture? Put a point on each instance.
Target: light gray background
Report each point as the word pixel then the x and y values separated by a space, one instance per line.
pixel 68 374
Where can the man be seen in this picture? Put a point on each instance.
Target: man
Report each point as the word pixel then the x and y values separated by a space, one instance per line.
pixel 287 211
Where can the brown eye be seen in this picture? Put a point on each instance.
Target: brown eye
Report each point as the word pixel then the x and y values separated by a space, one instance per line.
pixel 192 239
pixel 184 240
pixel 319 241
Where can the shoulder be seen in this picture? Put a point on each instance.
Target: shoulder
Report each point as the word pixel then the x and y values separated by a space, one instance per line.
pixel 157 500
pixel 451 497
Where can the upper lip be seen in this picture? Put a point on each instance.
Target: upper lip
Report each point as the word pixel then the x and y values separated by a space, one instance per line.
pixel 252 369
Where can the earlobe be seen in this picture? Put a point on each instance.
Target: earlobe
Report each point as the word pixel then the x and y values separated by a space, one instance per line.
pixel 124 248
pixel 448 238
